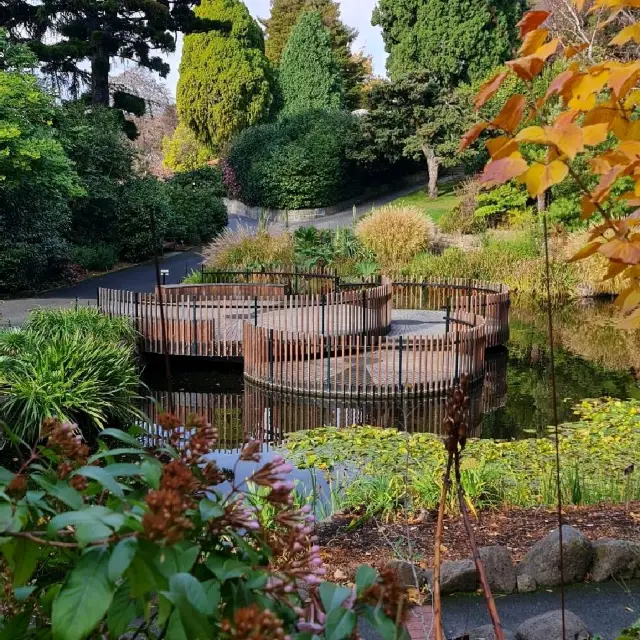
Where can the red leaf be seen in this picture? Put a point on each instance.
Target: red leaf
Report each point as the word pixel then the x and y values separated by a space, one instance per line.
pixel 498 172
pixel 526 68
pixel 489 88
pixel 511 114
pixel 472 135
pixel 531 20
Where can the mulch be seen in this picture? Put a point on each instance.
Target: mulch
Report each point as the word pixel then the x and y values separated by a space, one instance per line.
pixel 345 547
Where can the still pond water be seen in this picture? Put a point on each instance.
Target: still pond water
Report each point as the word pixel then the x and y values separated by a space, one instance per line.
pixel 594 358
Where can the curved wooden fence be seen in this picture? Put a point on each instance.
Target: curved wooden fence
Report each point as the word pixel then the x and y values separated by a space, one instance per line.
pixel 369 366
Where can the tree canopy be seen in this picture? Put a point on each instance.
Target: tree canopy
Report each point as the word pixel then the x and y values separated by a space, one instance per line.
pixel 309 74
pixel 96 31
pixel 453 40
pixel 355 67
pixel 225 80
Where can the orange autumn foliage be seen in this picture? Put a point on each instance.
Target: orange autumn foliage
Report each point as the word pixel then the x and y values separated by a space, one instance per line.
pixel 599 102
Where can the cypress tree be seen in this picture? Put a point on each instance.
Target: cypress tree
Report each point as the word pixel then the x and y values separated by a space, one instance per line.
pixel 225 78
pixel 309 74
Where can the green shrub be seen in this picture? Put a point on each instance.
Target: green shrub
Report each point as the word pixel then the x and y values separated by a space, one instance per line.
pixel 462 217
pixel 209 176
pixel 502 205
pixel 134 546
pixel 182 152
pixel 196 213
pixel 141 198
pixel 75 364
pixel 95 257
pixel 297 162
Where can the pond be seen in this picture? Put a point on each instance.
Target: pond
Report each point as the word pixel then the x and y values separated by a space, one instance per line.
pixel 593 358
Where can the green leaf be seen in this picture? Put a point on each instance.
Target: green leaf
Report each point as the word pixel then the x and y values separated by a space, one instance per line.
pixel 210 509
pixel 22 593
pixel 22 555
pixel 340 624
pixel 121 558
pixel 16 627
pixel 151 471
pixel 175 629
pixel 227 568
pixel 121 612
pixel 187 588
pixel 103 477
pixel 365 577
pixel 85 597
pixel 91 524
pixel 332 595
pixel 122 436
pixel 212 589
pixel 115 452
pixel 62 491
pixel 5 476
pixel 124 469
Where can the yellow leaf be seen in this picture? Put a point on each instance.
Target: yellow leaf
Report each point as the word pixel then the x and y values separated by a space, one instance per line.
pixel 595 133
pixel 533 41
pixel 567 137
pixel 632 322
pixel 501 147
pixel 585 90
pixel 614 270
pixel 621 251
pixel 533 134
pixel 632 32
pixel 540 177
pixel 586 251
pixel 546 50
pixel 623 77
pixel 631 301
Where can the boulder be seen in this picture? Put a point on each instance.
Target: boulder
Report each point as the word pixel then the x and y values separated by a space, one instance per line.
pixel 456 576
pixel 526 583
pixel 615 559
pixel 500 571
pixel 409 574
pixel 542 562
pixel 487 633
pixel 548 626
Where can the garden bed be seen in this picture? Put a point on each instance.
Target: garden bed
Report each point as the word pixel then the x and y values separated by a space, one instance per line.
pixel 345 547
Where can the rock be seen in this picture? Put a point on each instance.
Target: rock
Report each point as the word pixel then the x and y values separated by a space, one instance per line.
pixel 542 562
pixel 499 568
pixel 455 576
pixel 615 559
pixel 548 626
pixel 526 583
pixel 408 573
pixel 487 633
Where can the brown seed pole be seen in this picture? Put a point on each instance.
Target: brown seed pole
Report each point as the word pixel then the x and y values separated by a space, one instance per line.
pixel 491 605
pixel 437 605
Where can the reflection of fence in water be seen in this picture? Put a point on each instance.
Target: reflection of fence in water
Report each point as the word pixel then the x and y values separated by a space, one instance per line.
pixel 269 416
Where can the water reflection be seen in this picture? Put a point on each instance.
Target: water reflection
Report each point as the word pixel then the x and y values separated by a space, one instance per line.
pixel 240 410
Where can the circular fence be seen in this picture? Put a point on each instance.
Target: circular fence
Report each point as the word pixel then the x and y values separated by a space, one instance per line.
pixel 318 335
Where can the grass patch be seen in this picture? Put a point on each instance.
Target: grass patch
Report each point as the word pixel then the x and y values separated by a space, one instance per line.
pixel 594 451
pixel 435 209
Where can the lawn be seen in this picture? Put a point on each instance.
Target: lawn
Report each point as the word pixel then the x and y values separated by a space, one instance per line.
pixel 434 208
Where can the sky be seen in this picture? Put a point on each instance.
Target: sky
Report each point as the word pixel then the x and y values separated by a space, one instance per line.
pixel 354 13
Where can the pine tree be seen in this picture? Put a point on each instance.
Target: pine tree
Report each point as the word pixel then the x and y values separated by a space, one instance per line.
pixel 355 67
pixel 97 31
pixel 452 40
pixel 225 81
pixel 309 74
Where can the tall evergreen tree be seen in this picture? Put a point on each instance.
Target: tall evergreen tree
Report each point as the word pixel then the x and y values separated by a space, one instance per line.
pixel 225 79
pixel 452 40
pixel 97 31
pixel 309 74
pixel 355 67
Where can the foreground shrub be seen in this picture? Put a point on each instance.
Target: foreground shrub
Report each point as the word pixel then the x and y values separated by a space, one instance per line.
pixel 196 213
pixel 243 248
pixel 595 453
pixel 95 257
pixel 76 365
pixel 146 543
pixel 299 161
pixel 395 234
pixel 462 218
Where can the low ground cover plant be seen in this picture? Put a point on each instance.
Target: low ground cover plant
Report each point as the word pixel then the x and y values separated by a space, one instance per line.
pixel 387 467
pixel 146 543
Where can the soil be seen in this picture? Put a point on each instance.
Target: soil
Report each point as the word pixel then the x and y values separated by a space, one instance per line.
pixel 373 542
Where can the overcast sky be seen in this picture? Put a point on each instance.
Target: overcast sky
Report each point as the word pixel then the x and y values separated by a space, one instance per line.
pixel 355 13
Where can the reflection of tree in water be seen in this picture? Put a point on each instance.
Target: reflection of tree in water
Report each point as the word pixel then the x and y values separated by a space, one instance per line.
pixel 605 367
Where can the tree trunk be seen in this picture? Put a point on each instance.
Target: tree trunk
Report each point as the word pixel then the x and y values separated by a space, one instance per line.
pixel 433 165
pixel 100 67
pixel 542 202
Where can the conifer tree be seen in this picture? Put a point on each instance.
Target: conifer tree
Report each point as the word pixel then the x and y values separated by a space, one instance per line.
pixel 309 74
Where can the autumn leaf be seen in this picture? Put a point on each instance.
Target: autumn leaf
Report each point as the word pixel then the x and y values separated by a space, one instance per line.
pixel 560 84
pixel 501 147
pixel 540 176
pixel 573 50
pixel 472 135
pixel 587 207
pixel 546 50
pixel 489 88
pixel 531 20
pixel 498 172
pixel 586 251
pixel 511 114
pixel 526 68
pixel 595 134
pixel 533 134
pixel 567 137
pixel 606 182
pixel 614 270
pixel 623 77
pixel 584 91
pixel 533 41
pixel 632 32
pixel 623 251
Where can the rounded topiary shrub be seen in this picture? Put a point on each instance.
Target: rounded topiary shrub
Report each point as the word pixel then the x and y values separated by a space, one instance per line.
pixel 297 162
